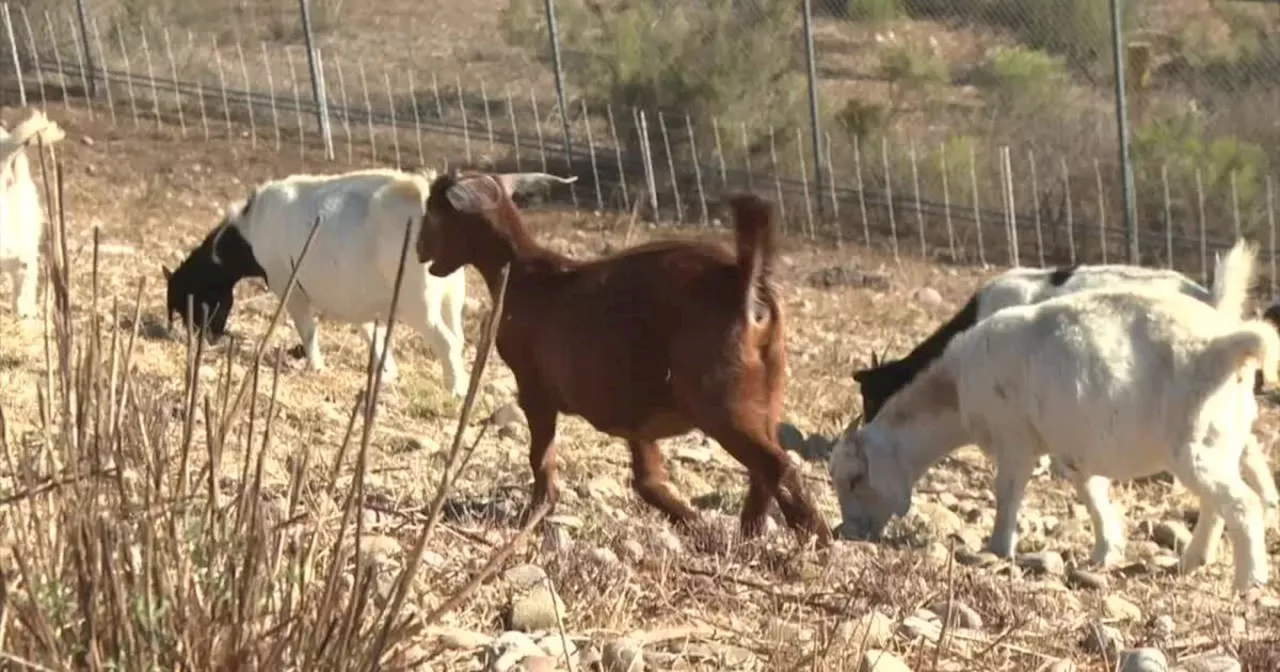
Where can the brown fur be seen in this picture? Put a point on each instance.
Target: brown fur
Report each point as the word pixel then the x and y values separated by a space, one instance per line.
pixel 645 344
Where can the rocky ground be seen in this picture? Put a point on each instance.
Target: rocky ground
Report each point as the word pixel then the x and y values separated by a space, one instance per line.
pixel 606 584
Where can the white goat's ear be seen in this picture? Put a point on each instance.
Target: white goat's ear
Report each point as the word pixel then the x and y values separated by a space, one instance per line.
pixel 886 476
pixel 474 193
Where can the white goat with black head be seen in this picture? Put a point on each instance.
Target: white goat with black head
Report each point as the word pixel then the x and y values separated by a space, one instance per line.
pixel 1115 384
pixel 350 269
pixel 22 217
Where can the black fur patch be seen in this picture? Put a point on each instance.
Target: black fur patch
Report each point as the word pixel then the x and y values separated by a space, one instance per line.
pixel 1062 274
pixel 206 287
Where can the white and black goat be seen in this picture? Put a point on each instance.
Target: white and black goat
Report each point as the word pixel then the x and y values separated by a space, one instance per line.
pixel 21 214
pixel 349 272
pixel 1115 383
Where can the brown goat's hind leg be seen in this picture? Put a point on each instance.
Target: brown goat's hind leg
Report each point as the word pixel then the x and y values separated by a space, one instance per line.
pixel 769 465
pixel 542 458
pixel 652 483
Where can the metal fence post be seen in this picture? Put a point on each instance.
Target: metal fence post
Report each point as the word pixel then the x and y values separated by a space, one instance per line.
pixel 83 17
pixel 1122 129
pixel 814 124
pixel 317 82
pixel 13 52
pixel 554 35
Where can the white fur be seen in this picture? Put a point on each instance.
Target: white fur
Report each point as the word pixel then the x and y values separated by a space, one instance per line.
pixel 21 214
pixel 350 270
pixel 1116 383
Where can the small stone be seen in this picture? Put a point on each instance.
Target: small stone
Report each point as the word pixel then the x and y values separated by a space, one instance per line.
pixel 1143 660
pixel 1080 578
pixel 1100 638
pixel 459 638
pixel 928 296
pixel 969 558
pixel 962 615
pixel 1163 627
pixel 1043 562
pixel 790 437
pixel 1060 665
pixel 928 628
pixel 604 556
pixel 781 630
pixel 509 649
pixel 879 660
pixel 508 414
pixel 380 546
pixel 1209 662
pixel 633 550
pixel 525 576
pixel 1171 534
pixel 622 655
pixel 1119 608
pixel 873 627
pixel 556 539
pixel 538 664
pixel 669 542
pixel 602 487
pixel 557 646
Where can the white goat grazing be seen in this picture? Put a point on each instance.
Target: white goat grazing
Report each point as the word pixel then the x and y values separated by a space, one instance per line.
pixel 1114 383
pixel 350 270
pixel 21 214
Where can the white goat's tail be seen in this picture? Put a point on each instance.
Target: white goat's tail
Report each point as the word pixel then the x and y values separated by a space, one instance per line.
pixel 1253 342
pixel 1232 277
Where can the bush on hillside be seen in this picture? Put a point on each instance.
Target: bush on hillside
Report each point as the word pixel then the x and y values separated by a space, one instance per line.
pixel 1020 80
pixel 706 59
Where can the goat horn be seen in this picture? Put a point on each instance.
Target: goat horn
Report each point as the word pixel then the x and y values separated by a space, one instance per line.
pixel 514 182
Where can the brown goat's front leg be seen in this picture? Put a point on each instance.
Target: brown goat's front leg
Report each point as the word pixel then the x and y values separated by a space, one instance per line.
pixel 651 481
pixel 542 457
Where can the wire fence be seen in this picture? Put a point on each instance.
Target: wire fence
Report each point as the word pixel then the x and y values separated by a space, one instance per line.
pixel 979 131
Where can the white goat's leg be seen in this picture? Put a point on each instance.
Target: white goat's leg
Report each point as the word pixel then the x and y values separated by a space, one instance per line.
pixel 1257 473
pixel 1108 531
pixel 1222 489
pixel 1205 539
pixel 446 346
pixel 305 323
pixel 25 276
pixel 375 334
pixel 1012 473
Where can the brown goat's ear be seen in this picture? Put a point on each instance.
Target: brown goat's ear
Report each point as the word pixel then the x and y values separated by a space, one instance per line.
pixel 474 193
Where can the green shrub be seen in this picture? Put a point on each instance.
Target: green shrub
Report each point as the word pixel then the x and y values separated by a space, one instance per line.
pixel 1020 79
pixel 1080 30
pixel 866 122
pixel 874 10
pixel 911 67
pixel 1179 143
pixel 700 59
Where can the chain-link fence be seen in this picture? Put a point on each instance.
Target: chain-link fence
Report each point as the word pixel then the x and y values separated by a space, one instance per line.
pixel 968 129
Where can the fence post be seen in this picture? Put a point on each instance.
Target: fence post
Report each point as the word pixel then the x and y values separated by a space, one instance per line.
pixel 554 35
pixel 1122 129
pixel 13 52
pixel 83 17
pixel 317 82
pixel 814 125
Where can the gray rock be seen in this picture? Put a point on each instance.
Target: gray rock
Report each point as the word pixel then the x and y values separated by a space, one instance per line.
pixel 879 660
pixel 1060 665
pixel 790 437
pixel 962 615
pixel 669 542
pixel 1162 626
pixel 508 414
pixel 602 487
pixel 1081 578
pixel 622 655
pixel 928 296
pixel 1171 534
pixel 604 556
pixel 874 628
pixel 1143 660
pixel 525 576
pixel 557 646
pixel 1209 662
pixel 459 638
pixel 633 550
pixel 535 609
pixel 969 558
pixel 928 628
pixel 508 650
pixel 1043 562
pixel 1100 638
pixel 1117 607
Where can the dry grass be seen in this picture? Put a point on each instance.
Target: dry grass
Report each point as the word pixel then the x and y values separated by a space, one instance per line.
pixel 136 533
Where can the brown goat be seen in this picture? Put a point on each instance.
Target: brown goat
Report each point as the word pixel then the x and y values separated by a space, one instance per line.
pixel 645 344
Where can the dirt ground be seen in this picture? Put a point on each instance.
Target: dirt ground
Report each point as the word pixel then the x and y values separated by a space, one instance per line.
pixel 720 602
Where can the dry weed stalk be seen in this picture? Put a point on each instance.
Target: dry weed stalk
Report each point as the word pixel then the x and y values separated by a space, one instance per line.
pixel 126 549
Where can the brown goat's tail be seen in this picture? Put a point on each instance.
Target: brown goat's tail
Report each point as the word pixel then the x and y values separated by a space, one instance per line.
pixel 754 225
